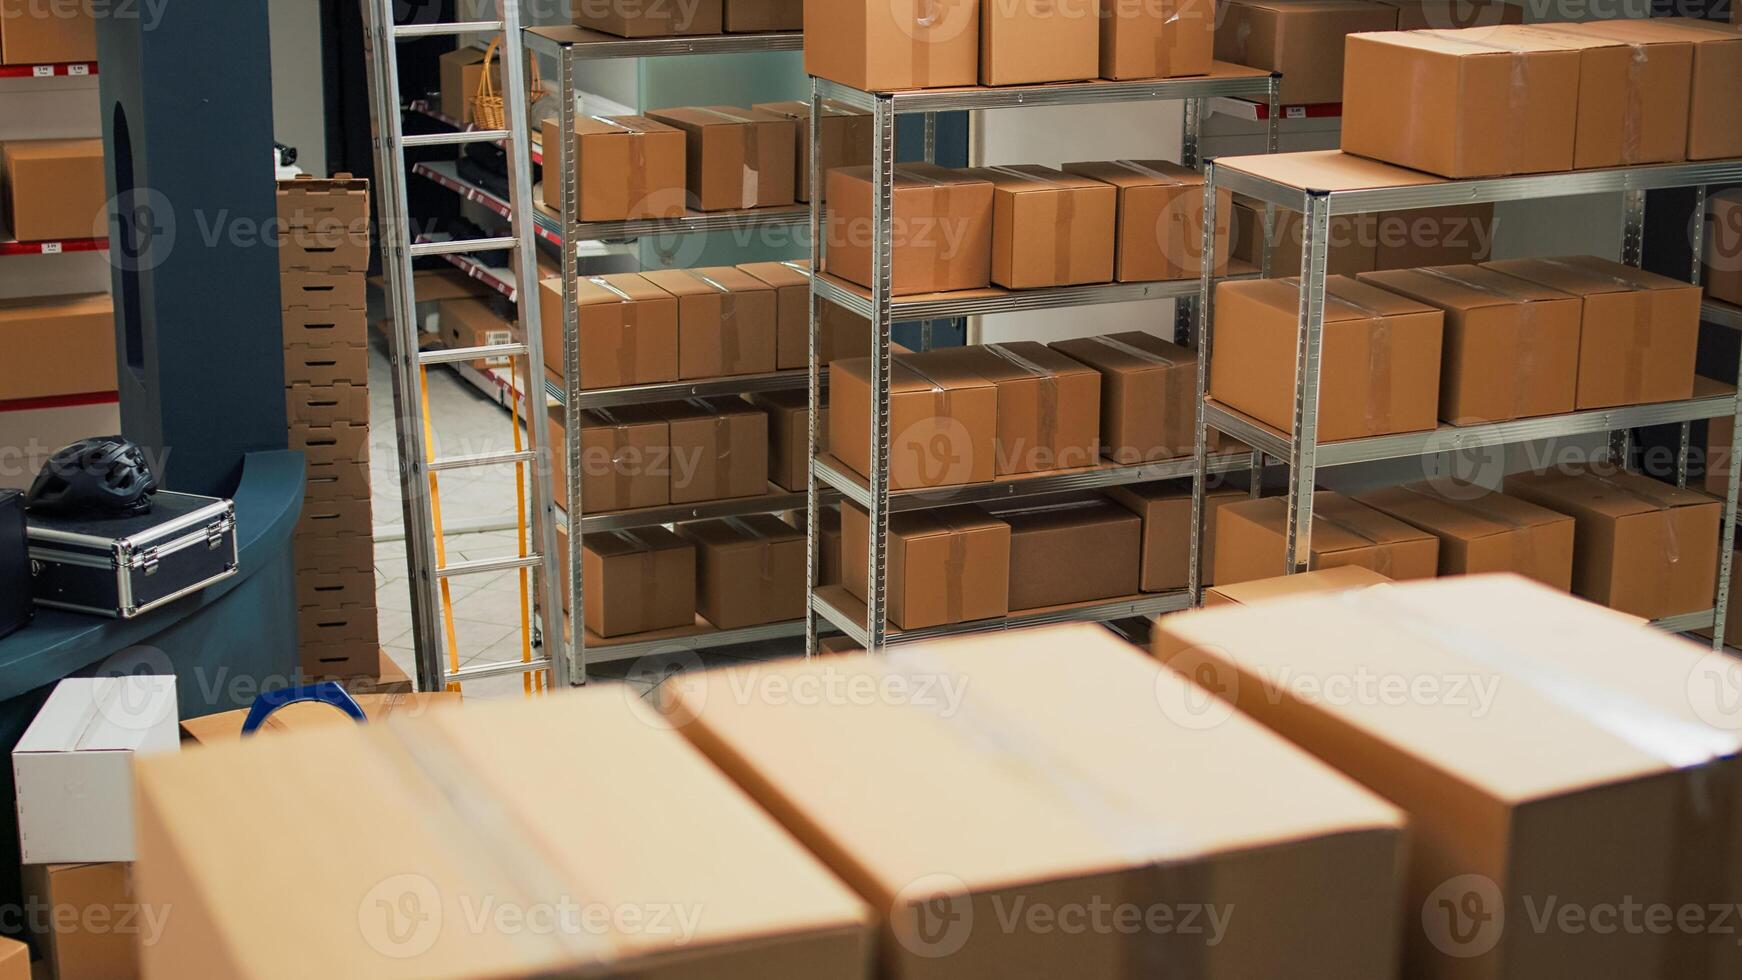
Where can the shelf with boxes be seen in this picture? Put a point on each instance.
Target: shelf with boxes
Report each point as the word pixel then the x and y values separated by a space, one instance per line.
pixel 59 69
pixel 1721 313
pixel 424 107
pixel 54 247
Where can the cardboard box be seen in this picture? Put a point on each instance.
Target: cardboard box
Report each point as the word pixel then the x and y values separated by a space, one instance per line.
pixel 846 138
pixel 1639 546
pixel 735 157
pixel 92 925
pixel 53 189
pixel 1499 101
pixel 329 444
pixel 1302 39
pixel 1633 94
pixel 719 449
pixel 356 789
pixel 1511 347
pixel 943 422
pixel 334 587
pixel 388 679
pixel 1483 531
pixel 14 960
pixel 321 289
pixel 789 435
pixel 1166 510
pixel 57 345
pixel 226 726
pixel 1049 406
pixel 725 321
pixel 323 225
pixel 625 458
pixel 326 481
pixel 326 405
pixel 829 541
pixel 326 365
pixel 876 46
pixel 475 323
pixel 764 15
pixel 1379 368
pixel 941 229
pixel 1717 69
pixel 1460 234
pixel 339 642
pixel 40 34
pixel 1340 578
pixel 791 283
pixel 1354 240
pixel 1252 537
pixel 1497 762
pixel 345 524
pixel 1161 217
pixel 1166 39
pixel 626 167
pixel 318 328
pixel 74 765
pixel 948 565
pixel 1638 331
pixel 1073 550
pixel 650 19
pixel 1024 43
pixel 1148 386
pixel 1446 15
pixel 638 581
pixel 750 570
pixel 1723 252
pixel 1084 823
pixel 1049 228
pixel 461 70
pixel 628 330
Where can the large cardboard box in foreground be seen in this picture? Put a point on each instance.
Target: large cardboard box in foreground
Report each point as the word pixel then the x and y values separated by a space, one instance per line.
pixel 391 859
pixel 1031 819
pixel 1560 765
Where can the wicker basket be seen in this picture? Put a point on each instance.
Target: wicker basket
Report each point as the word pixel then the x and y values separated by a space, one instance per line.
pixel 487 109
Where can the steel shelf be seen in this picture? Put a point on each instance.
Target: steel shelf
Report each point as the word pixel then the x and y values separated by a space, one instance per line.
pixel 1722 314
pixel 693 222
pixel 976 302
pixel 61 69
pixel 594 46
pixel 1224 80
pixel 446 174
pixel 1252 110
pixel 742 384
pixel 847 614
pixel 423 107
pixel 774 501
pixel 700 637
pixel 54 248
pixel 1687 622
pixel 831 473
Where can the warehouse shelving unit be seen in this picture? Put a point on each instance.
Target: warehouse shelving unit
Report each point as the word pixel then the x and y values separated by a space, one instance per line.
pixel 867 622
pixel 1395 188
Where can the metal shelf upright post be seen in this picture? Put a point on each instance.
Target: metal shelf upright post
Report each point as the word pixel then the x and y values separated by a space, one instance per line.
pixel 882 309
pixel 1382 188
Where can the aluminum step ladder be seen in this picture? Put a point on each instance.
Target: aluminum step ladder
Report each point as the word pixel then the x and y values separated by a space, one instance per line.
pixel 418 468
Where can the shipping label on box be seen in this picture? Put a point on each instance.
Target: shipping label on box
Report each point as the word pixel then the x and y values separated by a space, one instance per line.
pixel 750 570
pixel 627 167
pixel 941 229
pixel 846 139
pixel 726 321
pixel 736 157
pixel 627 331
pixel 1161 218
pixel 1049 228
pixel 638 581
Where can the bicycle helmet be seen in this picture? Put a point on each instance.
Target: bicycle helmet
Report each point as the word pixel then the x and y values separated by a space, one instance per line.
pixel 105 475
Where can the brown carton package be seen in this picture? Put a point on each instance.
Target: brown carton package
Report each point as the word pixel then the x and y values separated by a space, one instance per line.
pixel 1511 347
pixel 1075 807
pixel 323 289
pixel 323 225
pixel 95 923
pixel 1379 369
pixel 331 444
pixel 846 140
pixel 792 298
pixel 1166 509
pixel 326 481
pixel 1551 759
pixel 1723 251
pixel 1638 332
pixel 335 638
pixel 15 960
pixel 1025 43
pixel 750 570
pixel 1302 39
pixel 719 449
pixel 1712 133
pixel 461 70
pixel 745 16
pixel 1253 540
pixel 334 587
pixel 1483 531
pixel 626 167
pixel 57 345
pixel 1353 240
pixel 829 541
pixel 877 46
pixel 1148 386
pixel 475 323
pixel 1456 235
pixel 53 189
pixel 1161 217
pixel 1639 546
pixel 735 157
pixel 949 565
pixel 40 34
pixel 1499 101
pixel 1074 550
pixel 1633 93
pixel 625 458
pixel 628 330
pixel 1049 406
pixel 1049 228
pixel 356 790
pixel 650 19
pixel 941 229
pixel 725 321
pixel 789 435
pixel 943 422
pixel 1166 39
pixel 1445 15
pixel 1341 578
pixel 318 328
pixel 325 405
pixel 326 365
pixel 638 581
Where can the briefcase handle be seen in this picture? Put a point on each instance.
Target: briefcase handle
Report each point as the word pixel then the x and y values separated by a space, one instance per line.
pixel 325 692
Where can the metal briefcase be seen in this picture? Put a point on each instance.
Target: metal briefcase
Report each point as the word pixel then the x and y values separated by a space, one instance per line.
pixel 124 566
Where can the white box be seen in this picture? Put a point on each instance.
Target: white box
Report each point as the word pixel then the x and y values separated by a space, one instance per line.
pixel 74 766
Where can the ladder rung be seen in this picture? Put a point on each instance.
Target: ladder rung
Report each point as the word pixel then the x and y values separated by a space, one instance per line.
pixel 457 354
pixel 478 672
pixel 486 565
pixel 463 136
pixel 483 459
pixel 460 246
pixel 453 27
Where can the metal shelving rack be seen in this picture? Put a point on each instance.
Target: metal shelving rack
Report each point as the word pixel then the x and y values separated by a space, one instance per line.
pixel 867 623
pixel 1394 188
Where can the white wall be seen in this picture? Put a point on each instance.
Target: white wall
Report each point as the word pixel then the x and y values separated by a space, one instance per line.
pixel 298 106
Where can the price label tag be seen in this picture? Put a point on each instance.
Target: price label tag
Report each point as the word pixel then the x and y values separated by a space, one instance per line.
pixel 1294 112
pixel 79 69
pixel 42 71
pixel 51 248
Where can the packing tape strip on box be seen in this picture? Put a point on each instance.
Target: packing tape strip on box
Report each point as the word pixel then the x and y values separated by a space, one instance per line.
pixel 1046 402
pixel 722 446
pixel 750 534
pixel 1658 502
pixel 752 175
pixel 629 331
pixel 1378 408
pixel 1382 557
pixel 731 347
pixel 622 470
pixel 1516 123
pixel 1523 542
pixel 636 178
pixel 1633 110
pixel 1526 339
pixel 1065 217
pixel 1639 341
pixel 647 553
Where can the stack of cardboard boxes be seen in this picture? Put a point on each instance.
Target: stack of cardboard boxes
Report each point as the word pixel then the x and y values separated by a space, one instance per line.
pixel 324 255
